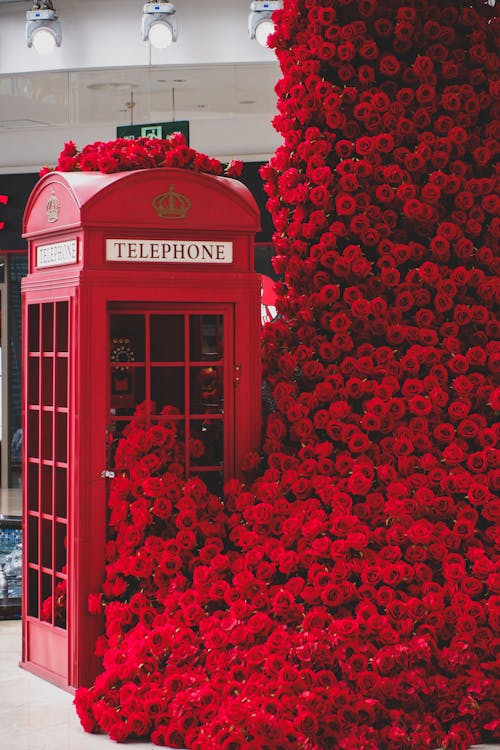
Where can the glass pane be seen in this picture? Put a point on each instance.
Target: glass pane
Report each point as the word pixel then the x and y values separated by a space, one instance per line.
pixel 32 489
pixel 214 480
pixel 167 338
pixel 33 446
pixel 46 613
pixel 206 390
pixel 61 437
pixel 47 381
pixel 61 493
pixel 114 432
pixel 128 388
pixel 33 555
pixel 33 378
pixel 60 602
pixel 34 328
pixel 62 326
pixel 122 382
pixel 205 337
pixel 127 338
pixel 46 543
pixel 46 438
pixel 167 387
pixel 206 446
pixel 60 550
pixel 33 592
pixel 61 381
pixel 47 327
pixel 46 490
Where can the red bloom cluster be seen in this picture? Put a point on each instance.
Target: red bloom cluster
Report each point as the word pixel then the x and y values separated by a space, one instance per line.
pixel 58 603
pixel 350 596
pixel 124 154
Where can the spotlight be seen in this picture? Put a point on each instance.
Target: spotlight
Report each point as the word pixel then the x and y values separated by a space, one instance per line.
pixel 159 24
pixel 260 24
pixel 43 29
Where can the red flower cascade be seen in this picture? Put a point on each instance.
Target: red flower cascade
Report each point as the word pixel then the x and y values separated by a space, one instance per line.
pixel 349 596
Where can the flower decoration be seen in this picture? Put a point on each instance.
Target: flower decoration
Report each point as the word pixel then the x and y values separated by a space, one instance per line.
pixel 56 602
pixel 348 595
pixel 125 154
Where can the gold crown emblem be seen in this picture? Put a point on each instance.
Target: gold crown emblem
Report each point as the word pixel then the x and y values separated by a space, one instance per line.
pixel 171 205
pixel 53 206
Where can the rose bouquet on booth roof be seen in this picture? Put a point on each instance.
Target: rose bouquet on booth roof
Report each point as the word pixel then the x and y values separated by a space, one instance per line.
pixel 349 595
pixel 125 154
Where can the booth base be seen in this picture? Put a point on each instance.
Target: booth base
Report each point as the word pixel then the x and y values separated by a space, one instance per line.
pixel 46 653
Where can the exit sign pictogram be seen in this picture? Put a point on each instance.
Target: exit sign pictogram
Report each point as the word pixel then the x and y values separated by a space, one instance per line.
pixel 154 130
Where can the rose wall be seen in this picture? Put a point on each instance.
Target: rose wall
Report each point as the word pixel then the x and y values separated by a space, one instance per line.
pixel 346 594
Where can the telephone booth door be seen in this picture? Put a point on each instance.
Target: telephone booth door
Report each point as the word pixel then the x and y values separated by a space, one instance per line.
pixel 48 464
pixel 177 359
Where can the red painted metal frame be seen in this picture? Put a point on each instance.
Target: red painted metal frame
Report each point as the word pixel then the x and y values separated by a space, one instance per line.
pixel 91 209
pixel 47 460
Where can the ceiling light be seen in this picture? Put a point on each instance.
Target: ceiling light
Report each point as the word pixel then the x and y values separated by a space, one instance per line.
pixel 260 23
pixel 43 29
pixel 159 24
pixel 111 86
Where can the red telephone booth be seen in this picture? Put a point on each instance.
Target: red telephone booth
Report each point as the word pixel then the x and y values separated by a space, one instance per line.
pixel 140 289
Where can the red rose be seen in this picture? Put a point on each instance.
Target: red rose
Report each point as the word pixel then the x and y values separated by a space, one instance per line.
pixel 389 65
pixel 345 204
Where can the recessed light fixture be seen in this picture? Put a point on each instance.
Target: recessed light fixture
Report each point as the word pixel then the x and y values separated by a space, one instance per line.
pixel 111 86
pixel 174 80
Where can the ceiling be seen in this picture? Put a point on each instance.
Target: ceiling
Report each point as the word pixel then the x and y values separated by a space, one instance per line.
pixel 214 76
pixel 137 95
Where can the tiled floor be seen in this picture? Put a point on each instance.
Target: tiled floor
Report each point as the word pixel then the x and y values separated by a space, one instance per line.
pixel 35 715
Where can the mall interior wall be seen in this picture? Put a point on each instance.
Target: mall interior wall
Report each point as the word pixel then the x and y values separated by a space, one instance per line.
pixel 99 35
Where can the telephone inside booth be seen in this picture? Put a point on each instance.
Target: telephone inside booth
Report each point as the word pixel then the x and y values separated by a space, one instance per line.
pixel 122 376
pixel 175 359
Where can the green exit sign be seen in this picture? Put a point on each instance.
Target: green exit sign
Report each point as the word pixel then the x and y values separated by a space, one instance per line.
pixel 154 130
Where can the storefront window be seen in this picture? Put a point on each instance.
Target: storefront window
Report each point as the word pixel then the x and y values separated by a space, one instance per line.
pixel 12 270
